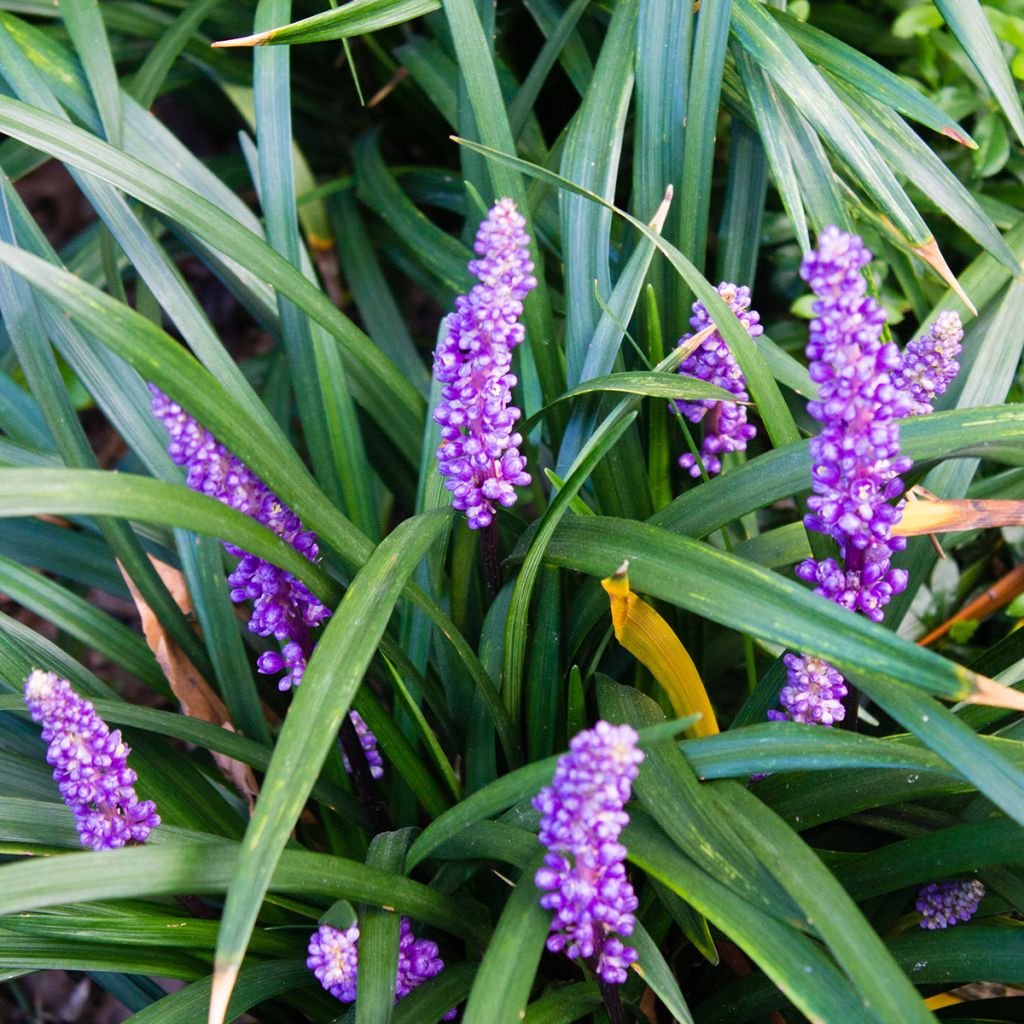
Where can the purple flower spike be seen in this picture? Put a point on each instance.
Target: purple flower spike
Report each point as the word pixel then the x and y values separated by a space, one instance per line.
pixel 334 959
pixel 813 693
pixel 583 877
pixel 282 606
pixel 855 459
pixel 90 766
pixel 929 363
pixel 369 744
pixel 945 904
pixel 479 448
pixel 725 423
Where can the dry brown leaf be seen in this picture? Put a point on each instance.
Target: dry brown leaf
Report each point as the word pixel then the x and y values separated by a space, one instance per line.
pixel 921 517
pixel 1000 594
pixel 195 695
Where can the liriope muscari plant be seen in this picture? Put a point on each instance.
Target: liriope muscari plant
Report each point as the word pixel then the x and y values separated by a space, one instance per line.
pixel 543 845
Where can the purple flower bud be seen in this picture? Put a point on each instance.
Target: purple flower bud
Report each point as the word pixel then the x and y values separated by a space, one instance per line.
pixel 929 363
pixel 725 423
pixel 945 904
pixel 479 448
pixel 334 959
pixel 813 693
pixel 90 766
pixel 369 744
pixel 583 877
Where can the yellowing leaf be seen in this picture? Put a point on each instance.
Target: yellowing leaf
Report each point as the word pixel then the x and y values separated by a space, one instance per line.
pixel 650 639
pixel 921 517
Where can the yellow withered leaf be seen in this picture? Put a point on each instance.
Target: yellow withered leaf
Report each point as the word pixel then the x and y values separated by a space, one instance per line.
pixel 651 640
pixel 938 516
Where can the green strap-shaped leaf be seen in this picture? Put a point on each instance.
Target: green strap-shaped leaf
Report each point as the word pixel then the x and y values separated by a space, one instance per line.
pixel 256 983
pixel 565 1005
pixel 84 23
pixel 949 851
pixel 654 969
pixel 433 999
pixel 591 157
pixel 782 60
pixel 379 932
pixel 750 599
pixel 334 673
pixel 389 397
pixel 966 19
pixel 710 44
pixel 869 76
pixel 201 866
pixel 95 492
pixel 503 982
pixel 356 18
pixel 795 963
pixel 828 909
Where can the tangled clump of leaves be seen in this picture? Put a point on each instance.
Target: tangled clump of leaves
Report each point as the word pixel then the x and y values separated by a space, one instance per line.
pixel 557 607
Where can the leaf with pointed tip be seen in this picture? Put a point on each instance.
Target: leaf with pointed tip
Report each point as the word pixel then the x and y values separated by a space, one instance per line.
pixel 334 673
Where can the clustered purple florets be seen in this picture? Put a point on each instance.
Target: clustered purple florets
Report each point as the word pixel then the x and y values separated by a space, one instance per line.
pixel 929 362
pixel 90 766
pixel 856 458
pixel 813 693
pixel 584 877
pixel 334 959
pixel 945 904
pixel 282 606
pixel 479 448
pixel 725 423
pixel 864 388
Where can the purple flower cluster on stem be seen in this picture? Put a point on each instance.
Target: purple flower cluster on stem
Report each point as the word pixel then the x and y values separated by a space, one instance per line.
pixel 864 388
pixel 725 423
pixel 282 606
pixel 90 766
pixel 584 877
pixel 855 459
pixel 479 451
pixel 929 363
pixel 334 959
pixel 945 904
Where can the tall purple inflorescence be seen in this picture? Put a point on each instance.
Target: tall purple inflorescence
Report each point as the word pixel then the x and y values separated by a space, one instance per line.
pixel 856 458
pixel 855 461
pixel 479 448
pixel 334 959
pixel 282 606
pixel 584 877
pixel 864 388
pixel 945 904
pixel 929 363
pixel 90 766
pixel 725 423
